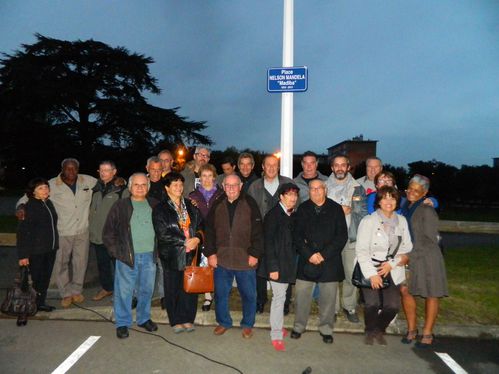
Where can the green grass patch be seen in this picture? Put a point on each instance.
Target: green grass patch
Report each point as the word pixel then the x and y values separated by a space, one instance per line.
pixel 470 214
pixel 8 223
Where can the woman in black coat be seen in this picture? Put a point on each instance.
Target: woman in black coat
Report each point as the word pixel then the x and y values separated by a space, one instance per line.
pixel 177 224
pixel 278 264
pixel 37 238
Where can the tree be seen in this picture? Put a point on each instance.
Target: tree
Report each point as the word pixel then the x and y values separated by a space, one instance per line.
pixel 83 98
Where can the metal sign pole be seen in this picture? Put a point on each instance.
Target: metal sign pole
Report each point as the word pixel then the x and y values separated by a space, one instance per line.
pixel 287 97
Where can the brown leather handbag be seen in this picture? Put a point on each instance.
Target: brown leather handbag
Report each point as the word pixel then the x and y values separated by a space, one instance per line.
pixel 198 279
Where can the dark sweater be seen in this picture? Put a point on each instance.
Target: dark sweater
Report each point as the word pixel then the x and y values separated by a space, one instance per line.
pixel 37 233
pixel 233 244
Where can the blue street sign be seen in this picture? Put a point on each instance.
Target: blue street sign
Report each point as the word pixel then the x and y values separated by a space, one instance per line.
pixel 294 79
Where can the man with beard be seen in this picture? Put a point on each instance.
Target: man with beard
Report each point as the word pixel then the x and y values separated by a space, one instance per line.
pixel 346 191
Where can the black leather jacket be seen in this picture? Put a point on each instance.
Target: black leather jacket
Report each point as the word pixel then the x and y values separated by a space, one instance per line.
pixel 170 236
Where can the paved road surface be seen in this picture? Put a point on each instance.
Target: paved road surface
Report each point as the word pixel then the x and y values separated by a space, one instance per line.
pixel 41 346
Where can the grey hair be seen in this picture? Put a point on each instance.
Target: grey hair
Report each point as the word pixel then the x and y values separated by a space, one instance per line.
pixel 155 159
pixel 198 148
pixel 421 180
pixel 246 155
pixel 374 158
pixel 323 183
pixel 70 160
pixel 136 175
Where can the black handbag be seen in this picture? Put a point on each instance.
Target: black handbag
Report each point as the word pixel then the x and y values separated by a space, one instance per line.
pixel 20 300
pixel 358 279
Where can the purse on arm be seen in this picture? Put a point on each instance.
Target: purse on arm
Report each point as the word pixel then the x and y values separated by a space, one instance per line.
pixel 198 279
pixel 358 279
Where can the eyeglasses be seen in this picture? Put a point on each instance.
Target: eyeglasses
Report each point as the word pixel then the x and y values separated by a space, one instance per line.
pixel 232 185
pixel 203 155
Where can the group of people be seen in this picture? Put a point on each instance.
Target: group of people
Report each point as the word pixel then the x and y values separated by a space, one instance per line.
pixel 310 232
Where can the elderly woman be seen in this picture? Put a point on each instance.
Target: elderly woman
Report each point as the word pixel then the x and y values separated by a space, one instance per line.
pixel 427 269
pixel 177 224
pixel 382 240
pixel 204 196
pixel 37 238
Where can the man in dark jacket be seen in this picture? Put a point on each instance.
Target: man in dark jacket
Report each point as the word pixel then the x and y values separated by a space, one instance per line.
pixel 129 237
pixel 104 194
pixel 319 237
pixel 234 242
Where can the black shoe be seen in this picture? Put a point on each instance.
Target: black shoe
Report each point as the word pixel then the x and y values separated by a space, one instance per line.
pixel 352 316
pixel 328 339
pixel 46 308
pixel 259 308
pixel 295 335
pixel 22 321
pixel 207 305
pixel 122 332
pixel 286 310
pixel 134 302
pixel 149 326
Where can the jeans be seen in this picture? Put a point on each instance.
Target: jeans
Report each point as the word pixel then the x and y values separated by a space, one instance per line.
pixel 125 280
pixel 105 265
pixel 246 284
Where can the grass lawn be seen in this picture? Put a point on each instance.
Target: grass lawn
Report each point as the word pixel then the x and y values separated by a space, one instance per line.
pixel 473 277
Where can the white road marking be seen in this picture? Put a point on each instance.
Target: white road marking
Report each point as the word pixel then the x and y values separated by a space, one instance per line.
pixel 453 365
pixel 76 355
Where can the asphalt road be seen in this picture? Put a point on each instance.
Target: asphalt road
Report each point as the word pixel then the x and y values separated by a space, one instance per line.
pixel 41 346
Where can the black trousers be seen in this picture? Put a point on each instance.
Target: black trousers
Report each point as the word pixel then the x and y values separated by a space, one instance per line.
pixel 41 266
pixel 387 300
pixel 181 307
pixel 105 266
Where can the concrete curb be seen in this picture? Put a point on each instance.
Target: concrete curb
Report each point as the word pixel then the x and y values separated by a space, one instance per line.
pixel 262 321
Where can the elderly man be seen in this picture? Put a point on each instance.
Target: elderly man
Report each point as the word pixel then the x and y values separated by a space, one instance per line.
pixel 105 193
pixel 346 191
pixel 309 172
pixel 191 171
pixel 245 164
pixel 71 194
pixel 129 237
pixel 319 237
pixel 234 242
pixel 373 167
pixel 265 192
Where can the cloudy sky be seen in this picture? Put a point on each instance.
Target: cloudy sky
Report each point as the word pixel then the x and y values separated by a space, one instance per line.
pixel 421 77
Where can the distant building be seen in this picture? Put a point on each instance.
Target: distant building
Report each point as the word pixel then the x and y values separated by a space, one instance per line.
pixel 496 162
pixel 357 149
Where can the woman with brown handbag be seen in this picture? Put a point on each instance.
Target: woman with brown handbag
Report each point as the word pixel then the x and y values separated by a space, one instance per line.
pixel 177 224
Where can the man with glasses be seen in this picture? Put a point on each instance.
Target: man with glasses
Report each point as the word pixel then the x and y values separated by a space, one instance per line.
pixel 191 171
pixel 234 242
pixel 320 234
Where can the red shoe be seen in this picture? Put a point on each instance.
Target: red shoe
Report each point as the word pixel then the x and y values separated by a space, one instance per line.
pixel 278 345
pixel 247 333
